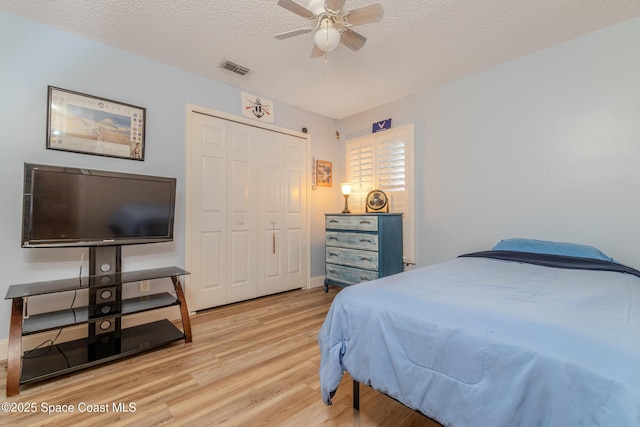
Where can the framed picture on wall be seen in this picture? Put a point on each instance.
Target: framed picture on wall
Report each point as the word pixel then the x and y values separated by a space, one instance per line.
pixel 91 125
pixel 323 173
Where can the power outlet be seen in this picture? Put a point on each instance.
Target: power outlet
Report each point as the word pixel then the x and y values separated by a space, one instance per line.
pixel 145 285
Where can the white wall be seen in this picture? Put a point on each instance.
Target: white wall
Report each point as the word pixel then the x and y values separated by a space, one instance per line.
pixel 33 56
pixel 546 146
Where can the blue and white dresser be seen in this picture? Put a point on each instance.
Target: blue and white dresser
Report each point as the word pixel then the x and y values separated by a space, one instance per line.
pixel 362 247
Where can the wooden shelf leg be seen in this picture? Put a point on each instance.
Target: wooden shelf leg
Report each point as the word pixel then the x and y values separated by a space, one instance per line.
pixel 184 311
pixel 14 356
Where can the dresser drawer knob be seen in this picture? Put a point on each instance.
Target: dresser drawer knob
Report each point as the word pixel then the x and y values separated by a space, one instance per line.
pixel 333 254
pixel 365 240
pixel 364 221
pixel 364 258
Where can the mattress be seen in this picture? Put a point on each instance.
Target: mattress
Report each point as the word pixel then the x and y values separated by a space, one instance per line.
pixel 478 341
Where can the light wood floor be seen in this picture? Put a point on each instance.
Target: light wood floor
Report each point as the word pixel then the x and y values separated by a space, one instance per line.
pixel 253 363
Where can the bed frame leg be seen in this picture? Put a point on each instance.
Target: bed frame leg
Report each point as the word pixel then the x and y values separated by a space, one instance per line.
pixel 356 395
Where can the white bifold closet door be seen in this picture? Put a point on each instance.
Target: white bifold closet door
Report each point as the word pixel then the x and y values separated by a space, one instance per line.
pixel 247 230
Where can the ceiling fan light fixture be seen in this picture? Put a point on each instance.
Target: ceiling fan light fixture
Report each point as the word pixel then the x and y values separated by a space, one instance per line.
pixel 333 24
pixel 327 38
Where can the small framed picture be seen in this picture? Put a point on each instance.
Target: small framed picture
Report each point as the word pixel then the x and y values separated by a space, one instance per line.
pixel 91 125
pixel 323 173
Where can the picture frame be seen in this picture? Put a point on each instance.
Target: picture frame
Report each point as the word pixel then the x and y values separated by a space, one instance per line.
pixel 88 124
pixel 324 173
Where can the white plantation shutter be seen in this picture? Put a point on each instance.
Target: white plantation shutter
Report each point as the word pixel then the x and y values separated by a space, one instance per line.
pixel 360 173
pixel 391 172
pixel 384 161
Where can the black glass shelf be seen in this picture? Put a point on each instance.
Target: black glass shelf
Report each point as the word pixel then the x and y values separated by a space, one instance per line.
pixel 59 319
pixel 106 341
pixel 53 286
pixel 63 358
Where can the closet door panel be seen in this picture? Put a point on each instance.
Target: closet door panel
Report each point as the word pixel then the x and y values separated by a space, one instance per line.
pixel 297 246
pixel 294 262
pixel 271 220
pixel 212 243
pixel 212 189
pixel 270 257
pixel 241 211
pixel 208 217
pixel 272 190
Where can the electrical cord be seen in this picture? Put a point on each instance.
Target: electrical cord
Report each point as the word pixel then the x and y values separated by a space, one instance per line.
pixel 81 261
pixel 52 342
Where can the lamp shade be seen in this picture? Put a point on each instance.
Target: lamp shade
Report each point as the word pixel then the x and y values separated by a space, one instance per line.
pixel 327 37
pixel 346 188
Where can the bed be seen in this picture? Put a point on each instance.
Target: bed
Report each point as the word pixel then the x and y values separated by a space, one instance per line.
pixel 530 333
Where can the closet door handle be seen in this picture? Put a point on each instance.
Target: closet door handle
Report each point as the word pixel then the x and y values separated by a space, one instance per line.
pixel 273 229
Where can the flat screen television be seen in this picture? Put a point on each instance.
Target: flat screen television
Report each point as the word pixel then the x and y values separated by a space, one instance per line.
pixel 83 207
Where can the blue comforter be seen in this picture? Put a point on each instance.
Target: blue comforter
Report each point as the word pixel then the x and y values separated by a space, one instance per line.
pixel 489 342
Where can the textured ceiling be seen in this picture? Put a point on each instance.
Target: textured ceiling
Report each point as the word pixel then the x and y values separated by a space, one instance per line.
pixel 418 44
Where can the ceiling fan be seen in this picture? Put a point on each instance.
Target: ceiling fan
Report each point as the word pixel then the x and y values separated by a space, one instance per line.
pixel 333 24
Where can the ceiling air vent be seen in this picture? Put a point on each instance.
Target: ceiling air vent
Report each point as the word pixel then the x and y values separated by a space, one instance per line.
pixel 235 68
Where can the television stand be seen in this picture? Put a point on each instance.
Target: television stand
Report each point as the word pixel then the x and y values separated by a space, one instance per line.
pixel 106 341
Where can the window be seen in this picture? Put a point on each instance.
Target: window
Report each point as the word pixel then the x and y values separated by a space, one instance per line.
pixel 384 161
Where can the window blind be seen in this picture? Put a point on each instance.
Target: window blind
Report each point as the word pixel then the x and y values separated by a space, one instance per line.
pixel 384 161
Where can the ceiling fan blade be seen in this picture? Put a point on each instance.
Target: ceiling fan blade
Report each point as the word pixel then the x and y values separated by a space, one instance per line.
pixel 352 40
pixel 297 8
pixel 317 52
pixel 293 33
pixel 334 5
pixel 365 14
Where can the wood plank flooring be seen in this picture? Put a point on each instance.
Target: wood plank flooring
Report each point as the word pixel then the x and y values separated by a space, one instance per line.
pixel 253 363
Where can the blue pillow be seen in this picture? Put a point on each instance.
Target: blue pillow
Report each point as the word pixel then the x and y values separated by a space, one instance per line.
pixel 552 248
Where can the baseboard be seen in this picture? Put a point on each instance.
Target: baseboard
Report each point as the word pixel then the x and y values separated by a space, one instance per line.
pixel 80 331
pixel 316 282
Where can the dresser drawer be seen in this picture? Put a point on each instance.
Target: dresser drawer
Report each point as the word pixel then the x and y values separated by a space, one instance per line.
pixel 361 247
pixel 341 239
pixel 361 259
pixel 349 275
pixel 351 222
